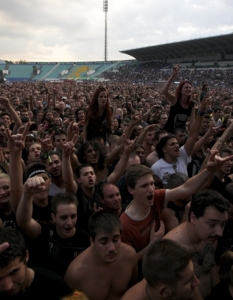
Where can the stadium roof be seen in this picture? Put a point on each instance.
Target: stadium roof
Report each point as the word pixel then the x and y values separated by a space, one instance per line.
pixel 209 46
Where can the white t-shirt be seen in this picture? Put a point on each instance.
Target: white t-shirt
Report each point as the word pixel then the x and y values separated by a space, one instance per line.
pixel 53 190
pixel 164 169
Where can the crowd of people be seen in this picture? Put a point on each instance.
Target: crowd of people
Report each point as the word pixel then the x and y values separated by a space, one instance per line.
pixel 153 72
pixel 121 191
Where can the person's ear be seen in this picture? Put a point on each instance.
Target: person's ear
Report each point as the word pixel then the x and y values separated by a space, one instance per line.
pixel 131 190
pixel 193 218
pixel 92 241
pixel 164 292
pixel 53 217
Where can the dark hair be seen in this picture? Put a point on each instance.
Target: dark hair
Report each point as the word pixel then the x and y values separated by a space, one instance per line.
pixel 5 114
pixel 54 152
pixel 216 108
pixel 176 129
pixel 162 143
pixel 168 259
pixel 76 113
pixel 16 249
pixel 58 132
pixel 97 147
pixel 176 179
pixel 225 264
pixel 157 134
pixel 207 198
pixel 179 88
pixel 105 221
pixel 136 172
pixel 63 198
pixel 92 111
pixel 226 150
pixel 79 169
pixel 157 181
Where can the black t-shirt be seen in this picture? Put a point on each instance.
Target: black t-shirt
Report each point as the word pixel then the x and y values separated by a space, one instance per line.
pixel 43 214
pixel 85 206
pixel 45 285
pixel 220 292
pixel 61 252
pixel 179 210
pixel 8 220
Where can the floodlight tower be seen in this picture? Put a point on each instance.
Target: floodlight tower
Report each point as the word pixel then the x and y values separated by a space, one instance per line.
pixel 105 9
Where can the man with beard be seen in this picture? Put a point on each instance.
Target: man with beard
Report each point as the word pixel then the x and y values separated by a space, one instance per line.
pixel 207 219
pixel 54 167
pixel 172 276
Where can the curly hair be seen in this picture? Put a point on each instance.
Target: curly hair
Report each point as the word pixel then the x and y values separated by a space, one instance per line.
pixel 97 147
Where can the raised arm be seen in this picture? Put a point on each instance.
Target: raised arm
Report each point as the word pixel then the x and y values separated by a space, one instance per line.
pixel 14 116
pixel 67 172
pixel 171 98
pixel 16 144
pixel 193 184
pixel 120 167
pixel 24 218
pixel 195 129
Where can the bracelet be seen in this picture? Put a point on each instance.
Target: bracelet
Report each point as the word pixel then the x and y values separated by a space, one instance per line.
pixel 221 141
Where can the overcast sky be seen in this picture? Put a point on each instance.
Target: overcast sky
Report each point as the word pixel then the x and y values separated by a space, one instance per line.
pixel 73 30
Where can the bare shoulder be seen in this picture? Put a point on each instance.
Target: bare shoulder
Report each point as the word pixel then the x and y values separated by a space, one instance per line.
pixel 81 262
pixel 177 234
pixel 128 253
pixel 77 270
pixel 152 158
pixel 137 292
pixel 167 212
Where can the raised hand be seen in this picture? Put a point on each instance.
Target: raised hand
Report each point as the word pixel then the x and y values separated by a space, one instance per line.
pixel 47 144
pixel 215 162
pixel 68 148
pixel 175 69
pixel 5 102
pixel 136 119
pixel 16 142
pixel 34 185
pixel 73 129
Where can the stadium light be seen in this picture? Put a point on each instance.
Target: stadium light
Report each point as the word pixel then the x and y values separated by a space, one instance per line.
pixel 105 9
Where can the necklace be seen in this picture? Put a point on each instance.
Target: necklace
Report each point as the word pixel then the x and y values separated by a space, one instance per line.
pixel 199 256
pixel 147 294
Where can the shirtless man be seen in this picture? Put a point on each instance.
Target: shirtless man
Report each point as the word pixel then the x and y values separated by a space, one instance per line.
pixel 105 270
pixel 172 276
pixel 207 219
